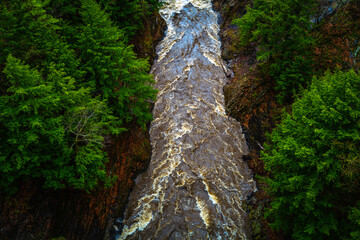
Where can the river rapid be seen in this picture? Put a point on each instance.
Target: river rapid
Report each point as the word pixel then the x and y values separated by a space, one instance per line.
pixel 196 181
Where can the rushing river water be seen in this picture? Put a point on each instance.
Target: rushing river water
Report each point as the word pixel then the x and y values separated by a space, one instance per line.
pixel 196 180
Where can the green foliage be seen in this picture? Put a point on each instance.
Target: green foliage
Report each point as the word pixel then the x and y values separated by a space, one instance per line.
pixel 354 217
pixel 79 82
pixel 66 10
pixel 313 158
pixel 39 136
pixel 33 35
pixel 112 67
pixel 129 15
pixel 281 30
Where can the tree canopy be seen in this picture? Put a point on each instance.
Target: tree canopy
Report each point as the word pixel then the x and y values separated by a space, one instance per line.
pixel 68 78
pixel 281 30
pixel 314 161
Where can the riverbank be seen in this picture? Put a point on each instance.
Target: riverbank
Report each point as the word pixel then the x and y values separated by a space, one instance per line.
pixel 37 213
pixel 251 100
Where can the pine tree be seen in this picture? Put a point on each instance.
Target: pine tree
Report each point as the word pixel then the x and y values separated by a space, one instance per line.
pixel 354 217
pixel 281 30
pixel 313 158
pixel 129 15
pixel 39 135
pixel 33 35
pixel 112 68
pixel 78 75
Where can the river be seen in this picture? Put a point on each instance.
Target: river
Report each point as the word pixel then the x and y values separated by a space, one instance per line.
pixel 196 181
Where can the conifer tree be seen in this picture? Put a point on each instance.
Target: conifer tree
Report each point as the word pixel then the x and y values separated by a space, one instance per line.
pixel 281 30
pixel 80 81
pixel 34 36
pixel 112 68
pixel 129 15
pixel 354 217
pixel 314 162
pixel 39 135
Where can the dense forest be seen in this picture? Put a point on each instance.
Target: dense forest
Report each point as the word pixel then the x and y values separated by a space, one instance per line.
pixel 69 78
pixel 310 163
pixel 71 82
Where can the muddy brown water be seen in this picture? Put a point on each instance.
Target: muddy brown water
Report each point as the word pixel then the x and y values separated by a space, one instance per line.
pixel 196 181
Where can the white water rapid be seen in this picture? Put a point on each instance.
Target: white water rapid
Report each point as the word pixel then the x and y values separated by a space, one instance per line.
pixel 196 181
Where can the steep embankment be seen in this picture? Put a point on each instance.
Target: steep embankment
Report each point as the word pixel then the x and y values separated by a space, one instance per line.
pixel 250 98
pixel 36 213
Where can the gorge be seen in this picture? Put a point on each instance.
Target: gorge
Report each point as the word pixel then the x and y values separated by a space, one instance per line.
pixel 196 180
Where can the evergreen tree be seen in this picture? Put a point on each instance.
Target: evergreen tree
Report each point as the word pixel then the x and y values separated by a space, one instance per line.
pixel 314 162
pixel 54 111
pixel 281 30
pixel 112 69
pixel 66 10
pixel 103 61
pixel 39 135
pixel 129 15
pixel 354 216
pixel 33 35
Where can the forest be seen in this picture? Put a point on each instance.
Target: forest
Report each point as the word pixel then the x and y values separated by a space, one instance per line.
pixel 76 99
pixel 309 162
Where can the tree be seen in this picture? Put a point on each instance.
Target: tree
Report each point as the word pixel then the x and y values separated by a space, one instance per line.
pixel 354 216
pixel 281 30
pixel 29 33
pixel 130 15
pixel 39 139
pixel 79 82
pixel 314 162
pixel 112 69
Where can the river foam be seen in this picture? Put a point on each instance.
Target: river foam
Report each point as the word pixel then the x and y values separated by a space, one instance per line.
pixel 196 181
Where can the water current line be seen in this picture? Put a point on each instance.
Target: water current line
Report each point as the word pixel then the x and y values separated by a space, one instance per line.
pixel 196 181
